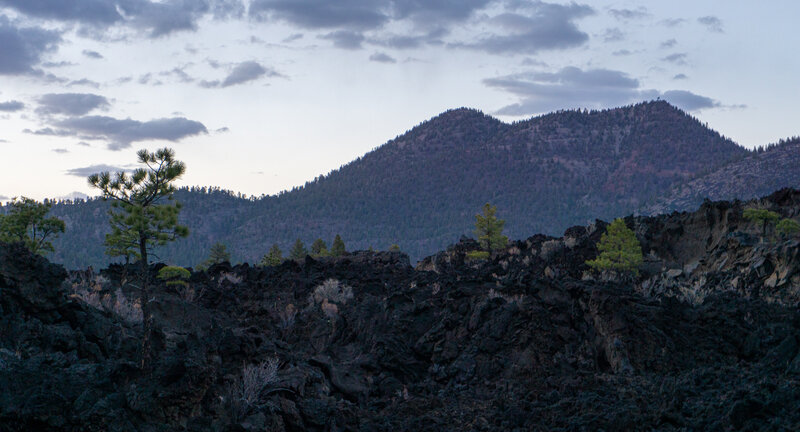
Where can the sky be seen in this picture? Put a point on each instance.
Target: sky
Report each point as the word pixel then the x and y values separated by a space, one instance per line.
pixel 259 96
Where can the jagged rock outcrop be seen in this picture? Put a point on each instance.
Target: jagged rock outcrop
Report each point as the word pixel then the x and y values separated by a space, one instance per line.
pixel 705 339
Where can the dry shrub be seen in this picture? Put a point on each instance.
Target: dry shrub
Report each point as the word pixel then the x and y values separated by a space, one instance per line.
pixel 287 316
pixel 129 311
pixel 91 292
pixel 332 291
pixel 232 278
pixel 329 309
pixel 245 392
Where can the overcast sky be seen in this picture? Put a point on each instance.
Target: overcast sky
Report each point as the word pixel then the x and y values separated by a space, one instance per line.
pixel 258 96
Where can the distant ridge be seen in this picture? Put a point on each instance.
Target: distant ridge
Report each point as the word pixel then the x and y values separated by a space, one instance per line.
pixel 758 174
pixel 422 189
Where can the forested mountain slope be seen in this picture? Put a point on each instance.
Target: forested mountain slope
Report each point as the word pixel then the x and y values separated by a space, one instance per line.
pixel 422 189
pixel 756 175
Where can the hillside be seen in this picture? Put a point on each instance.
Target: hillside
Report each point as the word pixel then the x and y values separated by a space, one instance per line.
pixel 756 175
pixel 706 338
pixel 422 189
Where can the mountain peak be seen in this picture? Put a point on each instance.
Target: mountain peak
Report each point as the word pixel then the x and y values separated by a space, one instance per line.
pixel 421 190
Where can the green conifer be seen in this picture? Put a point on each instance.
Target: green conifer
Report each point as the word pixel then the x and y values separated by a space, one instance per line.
pixel 620 250
pixel 299 250
pixel 337 248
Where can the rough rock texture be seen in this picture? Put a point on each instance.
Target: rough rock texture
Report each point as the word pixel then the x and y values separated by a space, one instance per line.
pixel 707 338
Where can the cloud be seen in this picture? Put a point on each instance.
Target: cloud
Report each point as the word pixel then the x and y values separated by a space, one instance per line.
pixel 60 150
pixel 345 39
pixel 688 100
pixel 572 87
pixel 48 131
pixel 629 14
pixel 92 54
pixel 73 104
pixel 159 18
pixel 84 82
pixel 672 22
pixel 613 35
pixel 120 134
pixel 676 58
pixel 94 169
pixel 669 43
pixel 292 37
pixel 246 71
pixel 680 76
pixel 58 64
pixel 162 19
pixel 96 12
pixel 361 15
pixel 241 73
pixel 436 12
pixel 322 14
pixel 399 41
pixel 21 49
pixel 622 52
pixel 4 198
pixel 227 9
pixel 11 106
pixel 712 23
pixel 179 72
pixel 382 58
pixel 544 26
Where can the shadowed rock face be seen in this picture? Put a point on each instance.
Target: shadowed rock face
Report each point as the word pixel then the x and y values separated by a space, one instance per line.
pixel 705 339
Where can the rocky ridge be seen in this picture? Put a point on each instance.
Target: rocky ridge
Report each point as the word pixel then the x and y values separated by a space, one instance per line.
pixel 755 175
pixel 706 338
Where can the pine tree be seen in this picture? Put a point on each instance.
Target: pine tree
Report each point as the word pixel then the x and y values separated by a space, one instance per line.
pixel 787 228
pixel 319 248
pixel 763 216
pixel 337 248
pixel 26 223
pixel 273 258
pixel 299 250
pixel 489 229
pixel 139 217
pixel 217 254
pixel 174 276
pixel 620 250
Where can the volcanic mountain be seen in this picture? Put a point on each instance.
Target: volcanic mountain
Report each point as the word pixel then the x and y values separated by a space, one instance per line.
pixel 422 189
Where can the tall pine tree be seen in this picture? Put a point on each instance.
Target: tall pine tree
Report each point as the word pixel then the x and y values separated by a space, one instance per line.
pixel 273 258
pixel 143 216
pixel 337 248
pixel 299 250
pixel 319 248
pixel 489 229
pixel 620 250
